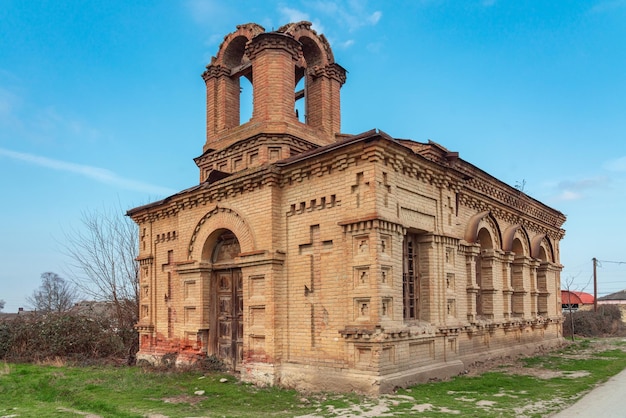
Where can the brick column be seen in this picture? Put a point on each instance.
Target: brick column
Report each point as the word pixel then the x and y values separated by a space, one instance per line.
pixel 273 56
pixel 323 101
pixel 222 101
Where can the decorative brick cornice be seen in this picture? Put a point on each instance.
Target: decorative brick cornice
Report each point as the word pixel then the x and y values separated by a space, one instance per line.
pixel 380 334
pixel 145 261
pixel 446 240
pixel 503 206
pixel 333 71
pixel 204 193
pixel 215 71
pixel 144 328
pixel 273 40
pixel 372 222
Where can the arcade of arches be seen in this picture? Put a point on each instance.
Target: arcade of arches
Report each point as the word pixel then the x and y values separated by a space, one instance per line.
pixel 314 259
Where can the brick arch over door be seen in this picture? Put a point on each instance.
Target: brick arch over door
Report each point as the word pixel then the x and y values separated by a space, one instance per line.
pixel 217 219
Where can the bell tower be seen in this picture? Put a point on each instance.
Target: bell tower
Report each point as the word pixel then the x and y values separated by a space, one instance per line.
pixel 274 63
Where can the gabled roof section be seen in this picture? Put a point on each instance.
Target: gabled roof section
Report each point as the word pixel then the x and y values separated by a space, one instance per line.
pixel 431 151
pixel 365 136
pixel 216 175
pixel 621 295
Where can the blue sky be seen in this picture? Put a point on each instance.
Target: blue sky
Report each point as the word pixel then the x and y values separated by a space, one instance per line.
pixel 102 106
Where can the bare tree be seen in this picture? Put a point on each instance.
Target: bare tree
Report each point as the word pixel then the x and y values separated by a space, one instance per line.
pixel 568 283
pixel 103 264
pixel 1 304
pixel 54 294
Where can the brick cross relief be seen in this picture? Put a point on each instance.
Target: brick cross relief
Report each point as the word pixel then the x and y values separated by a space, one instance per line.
pixel 169 268
pixel 356 189
pixel 314 250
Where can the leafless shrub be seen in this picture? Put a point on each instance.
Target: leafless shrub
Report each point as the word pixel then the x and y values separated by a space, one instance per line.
pixel 53 336
pixel 607 321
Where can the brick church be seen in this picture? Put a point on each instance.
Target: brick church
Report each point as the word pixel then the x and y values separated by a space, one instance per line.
pixel 314 259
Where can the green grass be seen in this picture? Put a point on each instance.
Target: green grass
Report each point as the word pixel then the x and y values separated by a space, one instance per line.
pixel 61 391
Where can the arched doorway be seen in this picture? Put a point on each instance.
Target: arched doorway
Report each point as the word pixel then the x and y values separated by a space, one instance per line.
pixel 226 311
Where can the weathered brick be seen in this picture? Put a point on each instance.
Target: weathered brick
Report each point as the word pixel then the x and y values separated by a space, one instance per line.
pixel 291 259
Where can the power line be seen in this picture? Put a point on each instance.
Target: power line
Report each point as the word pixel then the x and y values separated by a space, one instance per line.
pixel 612 262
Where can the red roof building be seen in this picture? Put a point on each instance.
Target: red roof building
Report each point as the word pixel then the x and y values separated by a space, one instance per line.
pixel 576 298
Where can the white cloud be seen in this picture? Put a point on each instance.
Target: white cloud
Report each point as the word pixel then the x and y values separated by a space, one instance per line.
pixel 375 17
pixel 326 7
pixel 10 103
pixel 206 11
pixel 586 183
pixel 345 44
pixel 98 174
pixel 293 15
pixel 50 121
pixel 576 189
pixel 317 26
pixel 569 195
pixel 618 164
pixel 351 15
pixel 375 47
pixel 608 6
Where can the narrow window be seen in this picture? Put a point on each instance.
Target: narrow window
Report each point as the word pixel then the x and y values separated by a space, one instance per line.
pixel 410 278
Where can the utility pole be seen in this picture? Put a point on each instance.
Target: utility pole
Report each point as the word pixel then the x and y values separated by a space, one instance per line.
pixel 595 285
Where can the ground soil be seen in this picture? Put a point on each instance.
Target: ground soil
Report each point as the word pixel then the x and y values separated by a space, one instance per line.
pixel 382 406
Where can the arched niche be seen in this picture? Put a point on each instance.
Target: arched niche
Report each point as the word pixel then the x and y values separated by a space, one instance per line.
pixel 520 244
pixel 485 239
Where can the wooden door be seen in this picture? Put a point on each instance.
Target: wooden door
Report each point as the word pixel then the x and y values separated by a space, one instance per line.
pixel 230 317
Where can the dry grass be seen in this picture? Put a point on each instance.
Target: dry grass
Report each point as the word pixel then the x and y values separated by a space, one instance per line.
pixel 53 362
pixel 5 369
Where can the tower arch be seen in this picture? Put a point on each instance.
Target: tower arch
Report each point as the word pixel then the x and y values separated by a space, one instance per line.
pixel 274 63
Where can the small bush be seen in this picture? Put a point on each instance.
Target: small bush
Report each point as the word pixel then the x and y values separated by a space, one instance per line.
pixel 168 360
pixel 211 364
pixel 606 321
pixel 39 337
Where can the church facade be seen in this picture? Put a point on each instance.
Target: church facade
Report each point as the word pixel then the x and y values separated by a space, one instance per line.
pixel 312 259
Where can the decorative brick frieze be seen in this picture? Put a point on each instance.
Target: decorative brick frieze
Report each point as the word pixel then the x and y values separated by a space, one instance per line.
pixel 371 223
pixel 325 202
pixel 165 236
pixel 145 261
